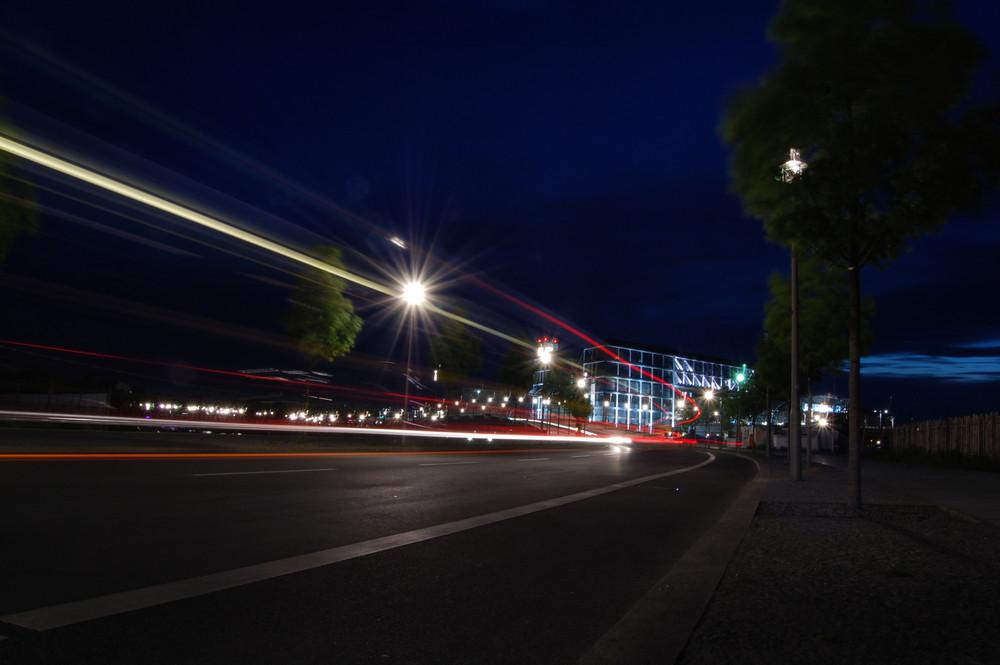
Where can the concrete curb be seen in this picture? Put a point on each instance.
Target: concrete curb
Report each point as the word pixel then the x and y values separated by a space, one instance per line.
pixel 657 628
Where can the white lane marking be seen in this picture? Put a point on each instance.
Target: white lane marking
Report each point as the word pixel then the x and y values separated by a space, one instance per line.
pixel 56 616
pixel 578 456
pixel 252 473
pixel 533 459
pixel 445 463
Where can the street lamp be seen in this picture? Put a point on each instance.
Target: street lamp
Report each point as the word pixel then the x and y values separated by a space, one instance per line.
pixel 741 376
pixel 790 172
pixel 546 352
pixel 413 295
pixel 706 397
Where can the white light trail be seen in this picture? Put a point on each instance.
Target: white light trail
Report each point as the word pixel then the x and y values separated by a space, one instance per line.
pixel 317 429
pixel 135 194
pixel 123 189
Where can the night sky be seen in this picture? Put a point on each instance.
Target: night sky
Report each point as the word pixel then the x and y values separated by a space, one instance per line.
pixel 566 156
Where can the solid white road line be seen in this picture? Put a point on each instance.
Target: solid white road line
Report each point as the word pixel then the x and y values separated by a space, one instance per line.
pixel 445 463
pixel 253 473
pixel 56 616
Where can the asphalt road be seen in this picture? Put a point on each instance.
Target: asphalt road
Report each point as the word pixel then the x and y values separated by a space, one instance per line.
pixel 518 557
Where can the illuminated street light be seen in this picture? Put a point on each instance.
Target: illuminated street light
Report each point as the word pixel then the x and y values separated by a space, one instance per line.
pixel 794 167
pixel 790 172
pixel 546 352
pixel 413 295
pixel 546 348
pixel 741 377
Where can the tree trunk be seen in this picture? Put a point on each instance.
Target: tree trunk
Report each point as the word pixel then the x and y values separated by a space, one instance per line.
pixel 854 387
pixel 794 412
pixel 810 429
pixel 770 427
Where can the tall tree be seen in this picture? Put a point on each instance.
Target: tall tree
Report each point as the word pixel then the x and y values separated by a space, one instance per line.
pixel 456 353
pixel 823 324
pixel 561 385
pixel 875 94
pixel 518 367
pixel 747 401
pixel 320 318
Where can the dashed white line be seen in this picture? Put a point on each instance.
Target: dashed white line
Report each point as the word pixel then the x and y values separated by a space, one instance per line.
pixel 578 456
pixel 55 616
pixel 252 473
pixel 445 463
pixel 533 459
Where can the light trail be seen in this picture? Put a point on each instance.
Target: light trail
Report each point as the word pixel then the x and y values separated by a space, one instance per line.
pixel 134 421
pixel 123 189
pixel 146 198
pixel 581 335
pixel 66 457
pixel 257 473
pixel 283 381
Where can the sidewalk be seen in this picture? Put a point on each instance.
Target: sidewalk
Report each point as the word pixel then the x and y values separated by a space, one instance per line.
pixel 914 579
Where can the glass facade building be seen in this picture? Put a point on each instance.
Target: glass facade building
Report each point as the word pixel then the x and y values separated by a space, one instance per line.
pixel 627 385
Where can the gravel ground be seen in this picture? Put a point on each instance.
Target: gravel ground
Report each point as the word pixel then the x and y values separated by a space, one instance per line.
pixel 812 583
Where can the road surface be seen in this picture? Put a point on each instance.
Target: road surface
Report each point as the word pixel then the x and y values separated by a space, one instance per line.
pixel 445 557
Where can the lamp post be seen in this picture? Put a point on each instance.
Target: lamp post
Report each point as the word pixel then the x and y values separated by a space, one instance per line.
pixel 546 354
pixel 790 171
pixel 413 295
pixel 583 383
pixel 707 397
pixel 741 376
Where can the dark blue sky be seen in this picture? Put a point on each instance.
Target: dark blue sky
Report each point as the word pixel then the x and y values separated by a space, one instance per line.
pixel 567 155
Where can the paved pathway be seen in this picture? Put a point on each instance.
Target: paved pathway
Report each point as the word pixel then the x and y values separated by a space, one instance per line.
pixel 973 493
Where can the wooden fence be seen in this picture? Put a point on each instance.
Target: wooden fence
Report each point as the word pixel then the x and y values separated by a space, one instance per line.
pixel 973 436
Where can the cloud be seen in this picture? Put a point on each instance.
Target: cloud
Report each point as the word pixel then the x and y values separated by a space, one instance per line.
pixel 982 344
pixel 951 369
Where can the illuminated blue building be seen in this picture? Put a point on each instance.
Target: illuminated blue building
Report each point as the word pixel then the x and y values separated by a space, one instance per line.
pixel 627 384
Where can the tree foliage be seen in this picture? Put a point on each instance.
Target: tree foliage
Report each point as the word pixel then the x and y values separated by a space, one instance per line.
pixel 320 318
pixel 518 367
pixel 560 385
pixel 823 326
pixel 456 353
pixel 876 96
pixel 872 93
pixel 748 400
